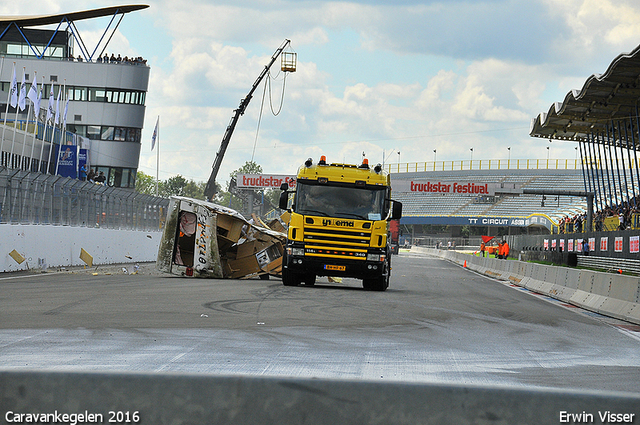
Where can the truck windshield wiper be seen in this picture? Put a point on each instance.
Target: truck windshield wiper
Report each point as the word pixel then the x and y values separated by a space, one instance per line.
pixel 313 212
pixel 348 214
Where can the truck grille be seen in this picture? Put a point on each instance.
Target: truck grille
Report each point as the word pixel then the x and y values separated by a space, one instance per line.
pixel 336 243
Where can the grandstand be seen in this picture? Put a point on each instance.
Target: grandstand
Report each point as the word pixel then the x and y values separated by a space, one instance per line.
pixel 504 207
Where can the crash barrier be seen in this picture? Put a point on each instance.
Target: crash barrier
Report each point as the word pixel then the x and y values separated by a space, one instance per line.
pixel 36 247
pixel 605 293
pixel 201 399
pixel 37 198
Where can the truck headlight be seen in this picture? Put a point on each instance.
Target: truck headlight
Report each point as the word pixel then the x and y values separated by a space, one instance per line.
pixel 373 257
pixel 298 252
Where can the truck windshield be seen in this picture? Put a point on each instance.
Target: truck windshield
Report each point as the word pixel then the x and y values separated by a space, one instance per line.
pixel 342 202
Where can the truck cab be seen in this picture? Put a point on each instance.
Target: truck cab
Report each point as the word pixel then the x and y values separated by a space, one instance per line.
pixel 339 224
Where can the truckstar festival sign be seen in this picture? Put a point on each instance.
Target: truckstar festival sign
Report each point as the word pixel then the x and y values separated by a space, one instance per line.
pixel 262 181
pixel 453 187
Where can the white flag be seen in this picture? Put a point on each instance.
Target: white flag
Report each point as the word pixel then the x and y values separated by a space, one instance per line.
pixel 50 110
pixel 22 100
pixel 155 134
pixel 58 107
pixel 33 91
pixel 64 115
pixel 36 104
pixel 14 88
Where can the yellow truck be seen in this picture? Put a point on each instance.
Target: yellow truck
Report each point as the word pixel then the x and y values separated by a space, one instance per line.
pixel 339 224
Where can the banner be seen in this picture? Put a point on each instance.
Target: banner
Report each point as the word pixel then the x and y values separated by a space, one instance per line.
pixel 68 161
pixel 618 244
pixel 269 181
pixel 604 244
pixel 454 187
pixel 634 244
pixel 83 159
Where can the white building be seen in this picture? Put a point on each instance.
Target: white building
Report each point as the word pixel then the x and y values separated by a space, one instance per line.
pixel 106 99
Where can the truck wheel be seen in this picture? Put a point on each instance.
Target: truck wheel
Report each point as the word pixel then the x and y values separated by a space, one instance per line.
pixel 310 279
pixel 376 284
pixel 289 279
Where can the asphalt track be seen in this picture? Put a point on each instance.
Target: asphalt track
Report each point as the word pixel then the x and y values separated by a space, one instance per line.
pixel 437 323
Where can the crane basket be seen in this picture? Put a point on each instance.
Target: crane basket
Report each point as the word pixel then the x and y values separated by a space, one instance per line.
pixel 288 61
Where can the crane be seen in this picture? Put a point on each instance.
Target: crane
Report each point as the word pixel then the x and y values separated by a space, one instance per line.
pixel 210 189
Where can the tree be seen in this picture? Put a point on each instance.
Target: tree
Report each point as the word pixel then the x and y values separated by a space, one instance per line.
pixel 176 185
pixel 249 167
pixel 145 183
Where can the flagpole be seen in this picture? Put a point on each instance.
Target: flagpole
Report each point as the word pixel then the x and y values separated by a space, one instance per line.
pixel 15 121
pixel 158 155
pixel 62 135
pixel 36 115
pixel 53 127
pixel 44 134
pixel 24 143
pixel 4 127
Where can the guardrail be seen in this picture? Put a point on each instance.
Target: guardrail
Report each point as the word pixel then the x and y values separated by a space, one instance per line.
pixel 201 399
pixel 605 293
pixel 610 264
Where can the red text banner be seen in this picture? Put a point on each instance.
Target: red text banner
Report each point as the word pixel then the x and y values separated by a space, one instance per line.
pixel 453 187
pixel 261 181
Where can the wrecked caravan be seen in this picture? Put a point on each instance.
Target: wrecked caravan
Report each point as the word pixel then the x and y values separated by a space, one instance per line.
pixel 202 239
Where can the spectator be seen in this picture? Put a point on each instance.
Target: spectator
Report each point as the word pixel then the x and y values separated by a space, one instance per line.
pixel 101 179
pixel 83 172
pixel 585 247
pixel 504 254
pixel 91 176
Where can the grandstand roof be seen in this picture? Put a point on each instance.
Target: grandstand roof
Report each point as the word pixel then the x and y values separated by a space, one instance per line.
pixel 39 20
pixel 603 98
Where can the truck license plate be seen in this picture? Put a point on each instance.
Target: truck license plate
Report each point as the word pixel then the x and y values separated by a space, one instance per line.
pixel 333 267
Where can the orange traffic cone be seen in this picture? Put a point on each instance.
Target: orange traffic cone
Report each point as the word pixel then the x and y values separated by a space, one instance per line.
pixel 465 263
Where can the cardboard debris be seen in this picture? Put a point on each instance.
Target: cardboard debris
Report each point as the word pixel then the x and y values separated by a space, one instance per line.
pixel 203 239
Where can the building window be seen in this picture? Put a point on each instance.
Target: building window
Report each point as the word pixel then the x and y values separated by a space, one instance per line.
pixel 93 132
pixel 120 134
pixel 107 133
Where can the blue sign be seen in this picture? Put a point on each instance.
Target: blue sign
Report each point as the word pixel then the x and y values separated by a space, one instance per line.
pixel 534 219
pixel 82 160
pixel 68 161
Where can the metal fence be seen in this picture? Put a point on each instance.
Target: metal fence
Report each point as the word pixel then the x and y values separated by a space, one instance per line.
pixel 36 198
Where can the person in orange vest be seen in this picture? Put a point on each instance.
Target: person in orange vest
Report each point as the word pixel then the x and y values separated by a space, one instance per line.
pixel 483 248
pixel 504 250
pixel 499 250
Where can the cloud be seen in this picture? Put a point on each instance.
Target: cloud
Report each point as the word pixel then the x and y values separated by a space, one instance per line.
pixel 374 76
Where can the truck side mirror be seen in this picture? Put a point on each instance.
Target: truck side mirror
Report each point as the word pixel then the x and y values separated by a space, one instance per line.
pixel 284 186
pixel 396 211
pixel 284 199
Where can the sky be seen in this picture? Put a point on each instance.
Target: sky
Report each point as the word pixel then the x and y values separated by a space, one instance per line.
pixel 391 79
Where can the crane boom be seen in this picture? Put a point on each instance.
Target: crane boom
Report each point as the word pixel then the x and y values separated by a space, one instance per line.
pixel 210 189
